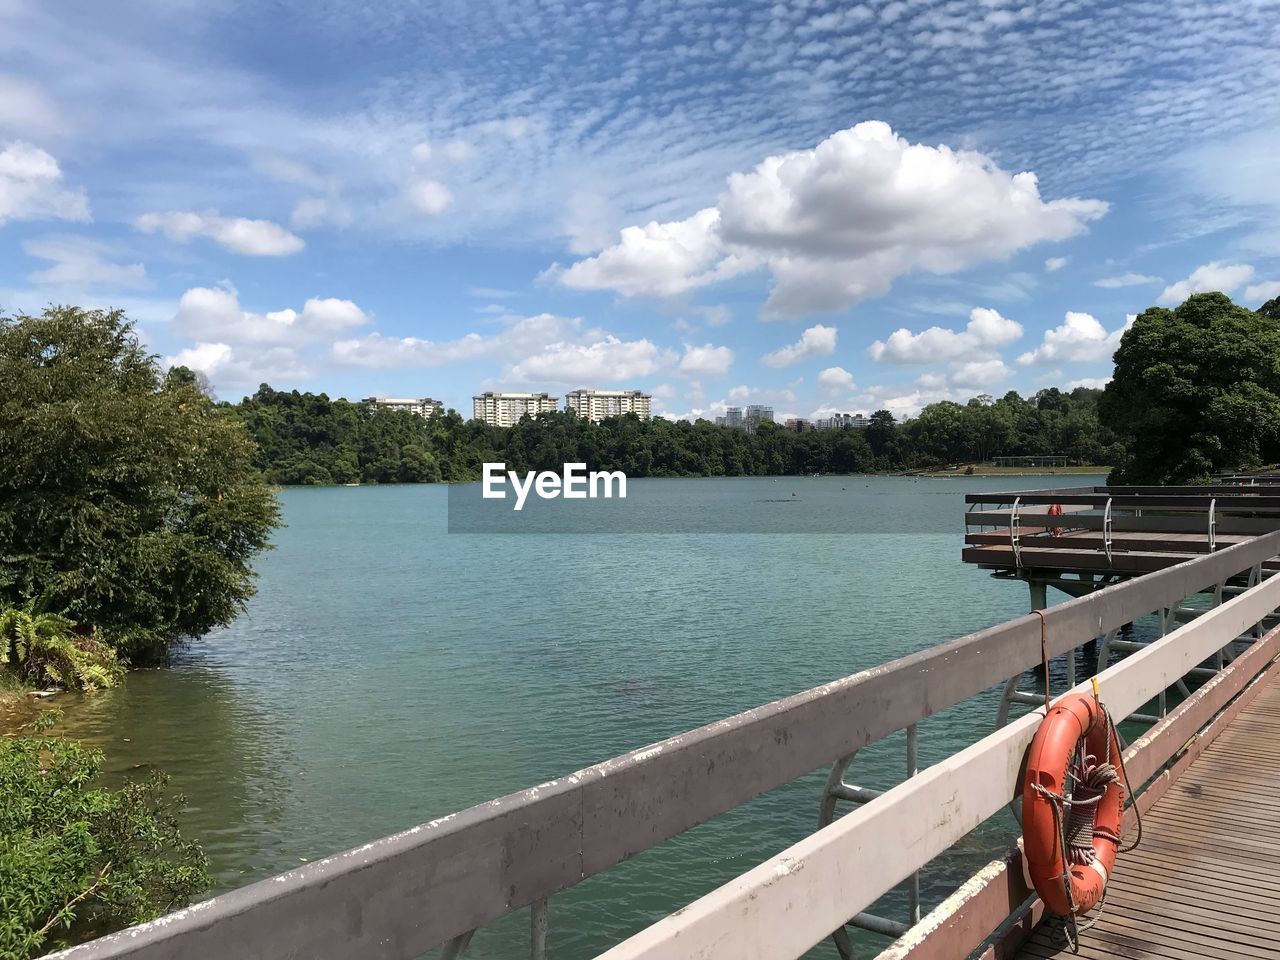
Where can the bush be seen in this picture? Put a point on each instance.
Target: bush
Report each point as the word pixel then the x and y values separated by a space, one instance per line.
pixel 76 861
pixel 44 648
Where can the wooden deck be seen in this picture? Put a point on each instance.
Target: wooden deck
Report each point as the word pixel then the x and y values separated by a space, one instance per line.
pixel 1205 882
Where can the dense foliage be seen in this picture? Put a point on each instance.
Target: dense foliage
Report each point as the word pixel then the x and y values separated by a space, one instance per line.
pixel 1196 391
pixel 43 647
pixel 308 438
pixel 77 861
pixel 129 501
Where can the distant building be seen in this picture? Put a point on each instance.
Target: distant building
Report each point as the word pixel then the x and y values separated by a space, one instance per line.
pixel 423 406
pixel 842 421
pixel 733 417
pixel 756 414
pixel 505 409
pixel 598 404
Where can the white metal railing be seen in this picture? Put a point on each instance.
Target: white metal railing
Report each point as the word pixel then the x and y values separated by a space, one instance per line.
pixel 789 903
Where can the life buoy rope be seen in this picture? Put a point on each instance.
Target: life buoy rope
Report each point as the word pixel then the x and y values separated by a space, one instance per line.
pixel 1073 805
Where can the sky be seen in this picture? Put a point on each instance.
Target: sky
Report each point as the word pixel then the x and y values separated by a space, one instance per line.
pixel 821 206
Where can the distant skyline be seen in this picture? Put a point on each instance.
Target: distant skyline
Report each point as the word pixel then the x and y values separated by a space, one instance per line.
pixel 812 205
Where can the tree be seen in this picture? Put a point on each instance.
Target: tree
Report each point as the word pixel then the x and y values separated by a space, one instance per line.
pixel 128 501
pixel 1196 391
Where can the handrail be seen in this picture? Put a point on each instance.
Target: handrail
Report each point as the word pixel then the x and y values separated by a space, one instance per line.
pixel 404 894
pixel 789 903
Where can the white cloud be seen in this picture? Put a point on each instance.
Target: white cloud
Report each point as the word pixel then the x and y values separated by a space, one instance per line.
pixel 1054 264
pixel 214 315
pixel 255 238
pixel 1080 338
pixel 522 337
pixel 1125 280
pixel 835 379
pixel 608 360
pixel 975 374
pixel 817 341
pixel 31 187
pixel 429 196
pixel 1261 292
pixel 225 366
pixel 839 223
pixel 705 361
pixel 985 331
pixel 79 264
pixel 1093 383
pixel 1224 277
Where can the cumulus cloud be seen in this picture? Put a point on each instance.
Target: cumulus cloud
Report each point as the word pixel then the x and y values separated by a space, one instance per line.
pixel 817 341
pixel 82 264
pixel 1093 383
pixel 1259 292
pixel 839 223
pixel 254 238
pixel 608 360
pixel 975 374
pixel 227 366
pixel 1219 276
pixel 1125 280
pixel 429 196
pixel 705 361
pixel 214 315
pixel 1080 338
pixel 835 379
pixel 521 337
pixel 985 331
pixel 31 187
pixel 1054 264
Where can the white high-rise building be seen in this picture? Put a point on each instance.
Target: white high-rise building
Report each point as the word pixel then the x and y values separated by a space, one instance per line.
pixel 500 409
pixel 422 406
pixel 598 404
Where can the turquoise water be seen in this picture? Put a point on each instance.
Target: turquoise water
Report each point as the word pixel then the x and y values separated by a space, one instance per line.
pixel 389 672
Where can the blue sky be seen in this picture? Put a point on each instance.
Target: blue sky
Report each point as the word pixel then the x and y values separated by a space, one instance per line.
pixel 818 205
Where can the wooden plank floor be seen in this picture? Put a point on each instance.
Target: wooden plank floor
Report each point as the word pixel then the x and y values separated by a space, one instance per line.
pixel 1205 882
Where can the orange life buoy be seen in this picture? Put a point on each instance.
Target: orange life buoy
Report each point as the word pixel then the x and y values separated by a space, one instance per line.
pixel 1055 510
pixel 1072 879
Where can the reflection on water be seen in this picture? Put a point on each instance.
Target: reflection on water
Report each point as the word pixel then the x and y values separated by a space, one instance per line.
pixel 388 673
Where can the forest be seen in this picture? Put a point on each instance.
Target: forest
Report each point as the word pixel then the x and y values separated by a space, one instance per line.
pixel 308 438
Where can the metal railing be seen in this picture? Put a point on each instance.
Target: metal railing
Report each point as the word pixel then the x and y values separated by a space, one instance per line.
pixel 434 884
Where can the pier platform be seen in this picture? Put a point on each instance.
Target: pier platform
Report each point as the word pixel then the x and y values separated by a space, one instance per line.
pixel 1205 881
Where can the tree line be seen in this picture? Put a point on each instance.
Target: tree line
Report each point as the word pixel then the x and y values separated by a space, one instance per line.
pixel 308 438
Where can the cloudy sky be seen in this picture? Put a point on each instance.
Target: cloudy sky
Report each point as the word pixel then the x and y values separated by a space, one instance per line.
pixel 819 205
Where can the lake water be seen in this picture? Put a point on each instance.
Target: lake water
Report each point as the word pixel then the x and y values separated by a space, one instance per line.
pixel 389 672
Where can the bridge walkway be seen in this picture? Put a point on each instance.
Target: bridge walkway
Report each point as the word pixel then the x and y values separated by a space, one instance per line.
pixel 1205 881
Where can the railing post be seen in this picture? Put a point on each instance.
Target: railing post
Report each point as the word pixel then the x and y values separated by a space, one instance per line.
pixel 539 923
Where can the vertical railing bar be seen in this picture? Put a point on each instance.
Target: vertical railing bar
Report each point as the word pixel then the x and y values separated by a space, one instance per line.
pixel 539 923
pixel 913 885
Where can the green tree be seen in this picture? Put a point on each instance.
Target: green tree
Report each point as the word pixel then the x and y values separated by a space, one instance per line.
pixel 128 501
pixel 1196 390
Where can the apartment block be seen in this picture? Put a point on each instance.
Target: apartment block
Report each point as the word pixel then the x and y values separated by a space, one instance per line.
pixel 500 409
pixel 598 404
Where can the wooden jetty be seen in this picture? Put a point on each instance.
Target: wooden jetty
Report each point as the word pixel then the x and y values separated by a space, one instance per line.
pixel 1205 777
